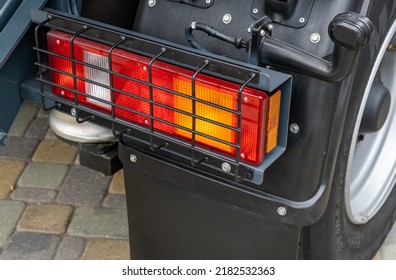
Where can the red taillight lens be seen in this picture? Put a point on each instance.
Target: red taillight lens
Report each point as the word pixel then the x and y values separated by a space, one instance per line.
pixel 166 103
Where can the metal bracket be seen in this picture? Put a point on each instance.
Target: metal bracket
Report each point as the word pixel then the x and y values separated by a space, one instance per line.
pixel 258 30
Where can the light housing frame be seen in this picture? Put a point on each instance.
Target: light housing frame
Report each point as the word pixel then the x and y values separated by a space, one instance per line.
pixel 255 77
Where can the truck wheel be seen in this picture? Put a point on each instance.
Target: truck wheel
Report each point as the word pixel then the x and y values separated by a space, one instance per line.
pixel 362 203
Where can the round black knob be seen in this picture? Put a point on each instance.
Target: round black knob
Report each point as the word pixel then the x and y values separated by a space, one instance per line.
pixel 351 30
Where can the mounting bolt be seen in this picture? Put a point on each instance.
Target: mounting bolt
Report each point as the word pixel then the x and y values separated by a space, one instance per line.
pixel 208 1
pixel 255 11
pixel 315 38
pixel 4 139
pixel 133 158
pixel 282 211
pixel 262 33
pixel 226 167
pixel 152 3
pixel 294 128
pixel 73 112
pixel 301 20
pixel 227 18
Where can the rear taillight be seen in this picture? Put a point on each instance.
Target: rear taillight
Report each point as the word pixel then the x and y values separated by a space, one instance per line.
pixel 205 111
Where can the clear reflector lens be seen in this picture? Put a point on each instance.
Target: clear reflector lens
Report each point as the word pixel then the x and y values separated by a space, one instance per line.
pixel 99 77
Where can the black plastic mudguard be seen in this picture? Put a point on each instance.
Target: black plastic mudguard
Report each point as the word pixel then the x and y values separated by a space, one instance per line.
pixel 176 213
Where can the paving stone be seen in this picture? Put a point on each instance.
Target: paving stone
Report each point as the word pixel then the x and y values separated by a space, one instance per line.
pixel 54 150
pixel 84 187
pixel 50 135
pixel 115 201
pixel 42 113
pixel 391 238
pixel 388 252
pixel 10 212
pixel 77 161
pixel 19 148
pixel 43 175
pixel 26 114
pixel 377 256
pixel 31 246
pixel 107 249
pixel 37 129
pixel 99 223
pixel 34 195
pixel 117 185
pixel 45 218
pixel 71 248
pixel 10 170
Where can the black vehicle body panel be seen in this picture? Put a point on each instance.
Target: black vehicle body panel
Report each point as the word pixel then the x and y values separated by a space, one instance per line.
pixel 167 212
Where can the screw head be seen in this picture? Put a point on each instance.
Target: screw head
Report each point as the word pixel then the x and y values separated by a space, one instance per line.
pixel 294 128
pixel 282 211
pixel 208 1
pixel 262 33
pixel 152 3
pixel 315 38
pixel 270 27
pixel 133 158
pixel 4 139
pixel 301 20
pixel 73 112
pixel 255 11
pixel 227 18
pixel 226 167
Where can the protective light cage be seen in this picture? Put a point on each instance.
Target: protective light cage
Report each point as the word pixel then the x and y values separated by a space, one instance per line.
pixel 219 114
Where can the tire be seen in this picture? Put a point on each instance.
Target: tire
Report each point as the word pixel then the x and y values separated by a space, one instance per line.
pixel 361 208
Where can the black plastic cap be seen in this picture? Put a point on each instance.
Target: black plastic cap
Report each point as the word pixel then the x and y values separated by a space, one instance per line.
pixel 377 109
pixel 351 30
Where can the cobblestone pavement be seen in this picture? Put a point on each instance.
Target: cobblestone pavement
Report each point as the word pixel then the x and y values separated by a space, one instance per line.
pixel 53 208
pixel 50 206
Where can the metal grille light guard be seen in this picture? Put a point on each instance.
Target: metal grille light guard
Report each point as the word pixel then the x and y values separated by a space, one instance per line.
pixel 147 138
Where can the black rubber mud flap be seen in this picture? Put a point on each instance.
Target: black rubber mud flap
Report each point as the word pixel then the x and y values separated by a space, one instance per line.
pixel 167 221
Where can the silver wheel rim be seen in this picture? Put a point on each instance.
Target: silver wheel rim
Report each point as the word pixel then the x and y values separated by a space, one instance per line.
pixel 371 167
